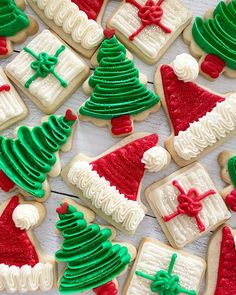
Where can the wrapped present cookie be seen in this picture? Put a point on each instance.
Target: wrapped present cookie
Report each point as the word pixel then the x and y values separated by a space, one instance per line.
pixel 27 160
pixel 93 261
pixel 15 25
pixel 47 71
pixel 160 269
pixel 110 183
pixel 200 119
pixel 213 40
pixel 187 205
pixel 23 266
pixel 149 27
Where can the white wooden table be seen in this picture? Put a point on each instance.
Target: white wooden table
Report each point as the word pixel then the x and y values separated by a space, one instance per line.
pixel 93 140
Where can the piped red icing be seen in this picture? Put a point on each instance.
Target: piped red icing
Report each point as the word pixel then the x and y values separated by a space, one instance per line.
pixel 15 245
pixel 186 101
pixel 212 65
pixel 5 87
pixel 121 125
pixel 3 46
pixel 63 209
pixel 107 289
pixel 6 184
pixel 123 167
pixel 70 116
pixel 230 200
pixel 226 281
pixel 91 7
pixel 109 33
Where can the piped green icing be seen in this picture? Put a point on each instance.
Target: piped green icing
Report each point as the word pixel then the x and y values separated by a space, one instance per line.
pixel 12 19
pixel 27 159
pixel 91 259
pixel 217 35
pixel 117 89
pixel 232 169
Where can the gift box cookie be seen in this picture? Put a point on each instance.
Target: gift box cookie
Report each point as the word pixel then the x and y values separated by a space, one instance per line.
pixel 187 205
pixel 47 71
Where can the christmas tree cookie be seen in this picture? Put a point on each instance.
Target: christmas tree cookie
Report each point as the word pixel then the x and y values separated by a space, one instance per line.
pixel 221 259
pixel 23 266
pixel 110 184
pixel 12 108
pixel 92 260
pixel 213 40
pixel 15 25
pixel 187 205
pixel 117 96
pixel 48 71
pixel 200 119
pixel 149 27
pixel 160 269
pixel 27 160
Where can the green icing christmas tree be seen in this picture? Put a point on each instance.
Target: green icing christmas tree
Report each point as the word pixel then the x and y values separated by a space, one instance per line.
pixel 12 19
pixel 91 259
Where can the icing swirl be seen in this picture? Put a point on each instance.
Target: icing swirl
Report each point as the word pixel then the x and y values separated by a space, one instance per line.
pixel 25 216
pixel 186 67
pixel 155 159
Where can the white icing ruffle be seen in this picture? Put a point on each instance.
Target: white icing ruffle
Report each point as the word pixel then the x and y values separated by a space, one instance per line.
pixel 186 67
pixel 25 216
pixel 155 159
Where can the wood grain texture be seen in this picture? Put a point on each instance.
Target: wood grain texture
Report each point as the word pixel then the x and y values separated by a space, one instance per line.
pixel 92 140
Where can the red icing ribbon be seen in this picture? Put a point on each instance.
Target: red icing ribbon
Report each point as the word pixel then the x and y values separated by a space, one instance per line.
pixel 121 125
pixel 3 46
pixel 6 184
pixel 212 66
pixel 230 200
pixel 189 204
pixel 149 14
pixel 107 289
pixel 5 87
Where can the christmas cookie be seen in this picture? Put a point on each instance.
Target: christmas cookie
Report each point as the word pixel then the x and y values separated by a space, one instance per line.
pixel 92 260
pixel 77 22
pixel 187 205
pixel 117 96
pixel 47 71
pixel 201 119
pixel 27 160
pixel 221 259
pixel 110 184
pixel 160 269
pixel 227 161
pixel 213 40
pixel 12 108
pixel 149 27
pixel 15 25
pixel 23 266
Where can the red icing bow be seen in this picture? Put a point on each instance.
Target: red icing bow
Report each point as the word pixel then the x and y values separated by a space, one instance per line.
pixel 149 14
pixel 230 200
pixel 5 87
pixel 189 204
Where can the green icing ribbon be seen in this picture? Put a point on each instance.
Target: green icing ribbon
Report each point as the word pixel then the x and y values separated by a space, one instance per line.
pixel 27 159
pixel 92 260
pixel 232 169
pixel 218 35
pixel 117 89
pixel 12 19
pixel 164 283
pixel 45 65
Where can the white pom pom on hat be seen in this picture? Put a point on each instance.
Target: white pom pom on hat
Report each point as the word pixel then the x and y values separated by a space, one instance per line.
pixel 156 158
pixel 25 216
pixel 186 67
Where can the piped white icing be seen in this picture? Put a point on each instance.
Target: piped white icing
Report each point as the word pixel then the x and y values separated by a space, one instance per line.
pixel 26 278
pixel 214 126
pixel 155 159
pixel 25 216
pixel 73 21
pixel 105 197
pixel 186 67
pixel 46 90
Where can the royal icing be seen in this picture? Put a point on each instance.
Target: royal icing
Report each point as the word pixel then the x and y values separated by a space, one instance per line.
pixel 3 46
pixel 155 159
pixel 185 67
pixel 91 7
pixel 25 216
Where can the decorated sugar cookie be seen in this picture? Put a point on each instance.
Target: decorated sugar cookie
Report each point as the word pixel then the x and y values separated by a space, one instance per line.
pixel 48 71
pixel 213 40
pixel 12 108
pixel 15 25
pixel 26 161
pixel 149 27
pixel 92 260
pixel 23 266
pixel 160 269
pixel 200 118
pixel 221 259
pixel 187 205
pixel 117 96
pixel 110 184
pixel 77 22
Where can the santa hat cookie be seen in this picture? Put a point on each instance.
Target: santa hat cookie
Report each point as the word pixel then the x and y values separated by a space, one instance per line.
pixel 187 205
pixel 82 238
pixel 213 40
pixel 110 184
pixel 27 160
pixel 200 118
pixel 23 267
pixel 221 259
